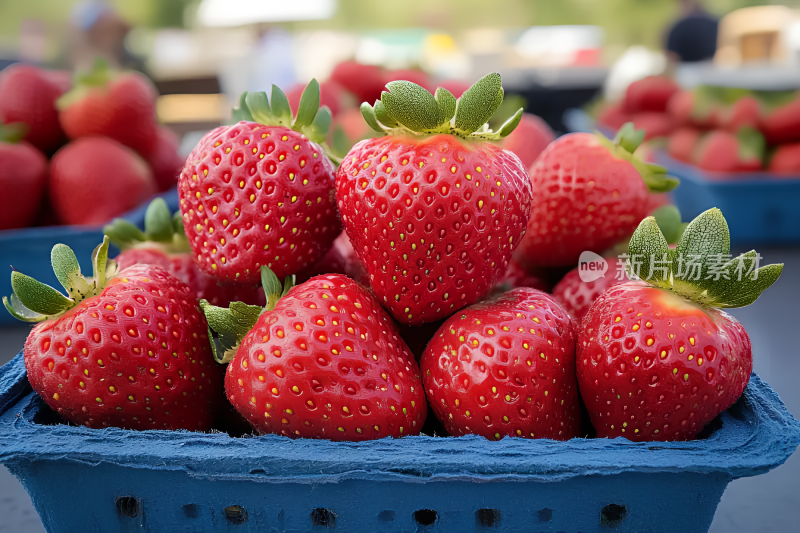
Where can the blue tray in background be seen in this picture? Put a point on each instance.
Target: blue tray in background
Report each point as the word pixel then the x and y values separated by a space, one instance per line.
pixel 760 208
pixel 28 250
pixel 109 480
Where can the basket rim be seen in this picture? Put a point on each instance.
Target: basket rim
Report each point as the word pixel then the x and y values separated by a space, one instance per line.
pixel 757 434
pixel 761 179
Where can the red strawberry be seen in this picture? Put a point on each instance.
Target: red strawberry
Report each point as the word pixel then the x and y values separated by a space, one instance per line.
pixel 165 161
pixel 261 191
pixel 657 359
pixel 786 160
pixel 128 351
pixel 27 94
pixel 722 151
pixel 649 94
pixel 325 361
pixel 340 259
pixel 434 217
pixel 330 94
pixel 80 189
pixel 516 277
pixel 745 112
pixel 456 87
pixel 613 117
pixel 577 296
pixel 782 122
pixel 164 245
pixel 693 108
pixel 654 124
pixel 683 143
pixel 120 106
pixel 23 174
pixel 529 139
pixel 505 368
pixel 592 192
pixel 413 75
pixel 364 81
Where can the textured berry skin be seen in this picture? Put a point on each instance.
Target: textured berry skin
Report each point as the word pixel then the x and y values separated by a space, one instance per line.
pixel 434 221
pixel 327 363
pixel 28 94
pixel 505 368
pixel 255 195
pixel 587 199
pixel 340 259
pixel 652 366
pixel 80 189
pixel 124 110
pixel 516 276
pixel 184 268
pixel 144 338
pixel 23 175
pixel 577 296
pixel 529 139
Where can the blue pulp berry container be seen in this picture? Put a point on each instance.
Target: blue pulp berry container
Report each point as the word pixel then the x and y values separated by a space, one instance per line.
pixel 109 480
pixel 28 250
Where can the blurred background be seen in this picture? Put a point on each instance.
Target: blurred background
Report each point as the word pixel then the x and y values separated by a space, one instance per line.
pixel 571 62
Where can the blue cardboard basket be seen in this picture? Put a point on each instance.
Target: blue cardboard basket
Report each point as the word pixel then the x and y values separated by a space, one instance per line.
pixel 760 208
pixel 28 250
pixel 109 480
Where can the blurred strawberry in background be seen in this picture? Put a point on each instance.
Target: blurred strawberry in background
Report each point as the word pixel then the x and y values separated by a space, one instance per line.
pixel 23 174
pixel 365 81
pixel 529 139
pixel 330 94
pixel 165 161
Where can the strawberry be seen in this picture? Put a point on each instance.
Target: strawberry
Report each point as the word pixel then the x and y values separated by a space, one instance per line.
pixel 516 276
pixel 529 139
pixel 781 123
pixel 364 81
pixel 28 94
pixel 694 108
pixel 657 358
pixel 80 189
pixel 23 175
pixel 128 350
pixel 654 124
pixel 165 161
pixel 261 191
pixel 592 192
pixel 786 160
pixel 613 117
pixel 432 209
pixel 413 75
pixel 745 112
pixel 683 143
pixel 722 151
pixel 505 368
pixel 576 296
pixel 649 94
pixel 330 95
pixel 323 361
pixel 164 245
pixel 456 87
pixel 116 105
pixel 340 259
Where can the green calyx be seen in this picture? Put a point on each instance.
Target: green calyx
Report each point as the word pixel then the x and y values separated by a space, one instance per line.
pixel 161 229
pixel 13 132
pixel 408 109
pixel 33 301
pixel 312 120
pixel 700 268
pixel 100 75
pixel 233 323
pixel 625 144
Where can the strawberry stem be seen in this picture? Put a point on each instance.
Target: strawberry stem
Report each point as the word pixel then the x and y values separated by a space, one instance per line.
pixel 160 228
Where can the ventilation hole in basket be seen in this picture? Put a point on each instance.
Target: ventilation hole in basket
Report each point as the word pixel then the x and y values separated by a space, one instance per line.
pixel 191 510
pixel 544 515
pixel 258 472
pixel 487 517
pixel 612 515
pixel 236 514
pixel 323 517
pixel 128 506
pixel 425 517
pixel 387 516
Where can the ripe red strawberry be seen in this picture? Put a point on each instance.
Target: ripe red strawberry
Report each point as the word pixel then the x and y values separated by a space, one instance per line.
pixel 364 81
pixel 330 95
pixel 781 124
pixel 340 259
pixel 456 87
pixel 649 94
pixel 613 117
pixel 125 351
pixel 324 361
pixel 165 161
pixel 116 105
pixel 722 151
pixel 260 192
pixel 683 143
pixel 164 245
pixel 517 276
pixel 80 189
pixel 433 210
pixel 23 174
pixel 745 112
pixel 786 160
pixel 505 368
pixel 657 359
pixel 654 124
pixel 529 139
pixel 576 296
pixel 694 108
pixel 591 193
pixel 28 94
